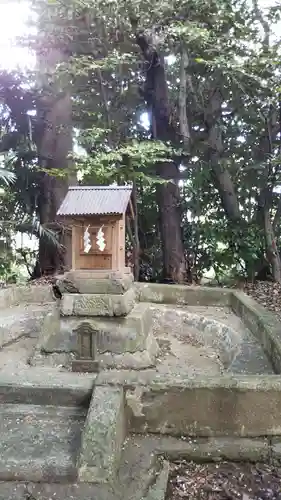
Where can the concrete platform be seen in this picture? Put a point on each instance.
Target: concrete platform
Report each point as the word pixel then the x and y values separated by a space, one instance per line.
pixel 213 394
pixel 39 443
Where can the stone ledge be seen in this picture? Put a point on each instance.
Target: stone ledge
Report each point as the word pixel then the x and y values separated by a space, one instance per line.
pixel 88 282
pixel 183 294
pixel 264 325
pixel 103 436
pixel 15 295
pixel 97 304
pixel 213 449
pixel 165 381
pixel 42 387
pixel 239 406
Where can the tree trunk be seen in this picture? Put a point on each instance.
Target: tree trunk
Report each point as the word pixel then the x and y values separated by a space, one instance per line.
pixel 168 195
pixel 271 247
pixel 221 175
pixel 54 144
pixel 264 220
pixel 53 149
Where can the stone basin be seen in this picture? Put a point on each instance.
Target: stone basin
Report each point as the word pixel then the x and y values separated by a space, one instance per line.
pixel 207 339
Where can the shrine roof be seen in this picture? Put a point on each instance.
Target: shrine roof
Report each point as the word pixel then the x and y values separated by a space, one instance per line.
pixel 95 200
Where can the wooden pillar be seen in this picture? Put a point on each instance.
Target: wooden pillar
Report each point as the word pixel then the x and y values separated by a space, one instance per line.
pixel 74 244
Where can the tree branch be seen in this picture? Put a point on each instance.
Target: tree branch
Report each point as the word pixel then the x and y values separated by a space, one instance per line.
pixel 263 22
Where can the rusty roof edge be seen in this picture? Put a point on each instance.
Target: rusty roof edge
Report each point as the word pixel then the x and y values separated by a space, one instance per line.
pixel 97 188
pixel 68 214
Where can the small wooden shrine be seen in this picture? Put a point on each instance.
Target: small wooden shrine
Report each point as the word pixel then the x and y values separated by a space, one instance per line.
pixel 97 216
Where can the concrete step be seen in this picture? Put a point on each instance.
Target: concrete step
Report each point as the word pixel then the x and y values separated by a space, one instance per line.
pixel 43 386
pixel 39 443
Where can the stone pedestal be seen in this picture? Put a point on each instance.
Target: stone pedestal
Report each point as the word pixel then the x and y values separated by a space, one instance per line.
pixel 104 324
pixel 98 324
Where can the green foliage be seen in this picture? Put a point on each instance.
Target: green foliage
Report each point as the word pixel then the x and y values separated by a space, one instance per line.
pixel 232 83
pixel 126 163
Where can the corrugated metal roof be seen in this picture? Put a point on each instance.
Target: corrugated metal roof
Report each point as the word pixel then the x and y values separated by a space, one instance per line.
pixel 95 200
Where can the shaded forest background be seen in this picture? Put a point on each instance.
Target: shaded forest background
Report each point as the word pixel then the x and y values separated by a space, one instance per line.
pixel 181 99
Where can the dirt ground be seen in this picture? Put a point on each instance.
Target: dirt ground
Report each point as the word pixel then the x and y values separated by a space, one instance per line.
pixel 267 293
pixel 224 481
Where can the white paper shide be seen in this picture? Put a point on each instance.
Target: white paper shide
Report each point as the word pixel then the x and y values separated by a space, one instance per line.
pixel 87 240
pixel 101 240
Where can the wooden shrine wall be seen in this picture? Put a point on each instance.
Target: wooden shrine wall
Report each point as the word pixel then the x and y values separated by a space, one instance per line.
pixel 114 234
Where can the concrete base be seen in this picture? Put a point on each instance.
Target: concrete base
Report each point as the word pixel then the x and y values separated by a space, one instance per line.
pixel 124 342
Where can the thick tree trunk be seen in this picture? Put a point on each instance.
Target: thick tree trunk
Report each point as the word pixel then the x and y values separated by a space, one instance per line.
pixel 168 196
pixel 54 149
pixel 171 234
pixel 271 248
pixel 54 144
pixel 264 220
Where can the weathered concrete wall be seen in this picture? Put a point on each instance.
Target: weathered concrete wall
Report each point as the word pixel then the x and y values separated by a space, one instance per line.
pixel 246 406
pixel 264 325
pixel 14 295
pixel 183 295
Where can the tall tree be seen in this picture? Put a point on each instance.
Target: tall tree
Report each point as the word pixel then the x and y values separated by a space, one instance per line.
pixel 54 132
